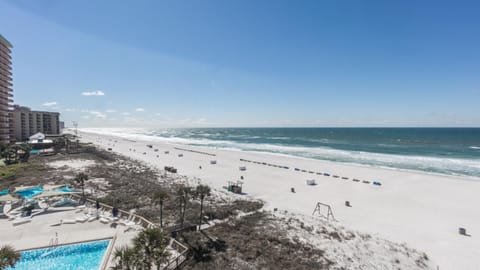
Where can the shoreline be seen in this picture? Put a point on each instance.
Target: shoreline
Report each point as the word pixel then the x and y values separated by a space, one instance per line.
pixel 349 164
pixel 423 210
pixel 162 140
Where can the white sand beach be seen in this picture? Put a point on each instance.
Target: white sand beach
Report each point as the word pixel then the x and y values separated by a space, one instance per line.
pixel 423 210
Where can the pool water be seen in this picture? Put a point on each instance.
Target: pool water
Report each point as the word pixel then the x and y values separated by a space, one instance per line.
pixel 82 256
pixel 65 189
pixel 29 192
pixel 35 151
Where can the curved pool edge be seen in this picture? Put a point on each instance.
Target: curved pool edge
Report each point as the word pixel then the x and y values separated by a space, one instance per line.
pixel 102 262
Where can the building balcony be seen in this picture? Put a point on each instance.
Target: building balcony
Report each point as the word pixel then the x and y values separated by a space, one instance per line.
pixel 6 73
pixel 5 89
pixel 4 49
pixel 5 66
pixel 5 77
pixel 5 82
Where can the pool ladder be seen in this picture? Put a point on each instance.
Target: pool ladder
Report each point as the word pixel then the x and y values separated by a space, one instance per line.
pixel 54 241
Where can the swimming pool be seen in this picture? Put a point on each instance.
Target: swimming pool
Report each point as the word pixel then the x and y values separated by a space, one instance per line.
pixel 65 189
pixel 82 256
pixel 29 192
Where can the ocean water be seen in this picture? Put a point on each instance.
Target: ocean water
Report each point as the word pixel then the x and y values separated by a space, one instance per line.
pixel 451 151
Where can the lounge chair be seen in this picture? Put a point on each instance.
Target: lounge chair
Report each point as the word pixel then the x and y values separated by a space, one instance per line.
pixel 39 212
pixel 68 221
pixel 104 220
pixel 127 222
pixel 20 221
pixel 82 218
pixel 14 216
pixel 80 208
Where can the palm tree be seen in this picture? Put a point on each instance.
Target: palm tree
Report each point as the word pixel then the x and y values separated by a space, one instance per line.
pixel 25 152
pixel 160 256
pixel 158 199
pixel 150 246
pixel 80 179
pixel 8 257
pixel 9 153
pixel 3 146
pixel 125 258
pixel 201 192
pixel 59 144
pixel 183 195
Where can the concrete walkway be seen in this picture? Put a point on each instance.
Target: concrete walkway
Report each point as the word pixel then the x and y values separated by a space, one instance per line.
pixel 39 232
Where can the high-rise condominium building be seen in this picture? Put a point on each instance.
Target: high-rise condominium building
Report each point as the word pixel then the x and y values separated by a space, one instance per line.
pixel 5 91
pixel 27 122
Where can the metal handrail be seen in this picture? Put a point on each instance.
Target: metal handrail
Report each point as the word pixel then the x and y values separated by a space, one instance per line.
pixel 178 260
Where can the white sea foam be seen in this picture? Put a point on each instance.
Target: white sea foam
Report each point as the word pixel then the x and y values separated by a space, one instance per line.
pixel 452 166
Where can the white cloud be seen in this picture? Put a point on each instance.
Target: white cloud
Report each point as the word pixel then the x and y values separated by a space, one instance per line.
pixel 140 109
pixel 49 104
pixel 95 114
pixel 130 119
pixel 110 111
pixel 70 110
pixel 98 114
pixel 93 93
pixel 125 113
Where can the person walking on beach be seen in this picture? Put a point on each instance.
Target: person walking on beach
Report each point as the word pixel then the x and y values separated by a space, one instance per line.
pixel 97 205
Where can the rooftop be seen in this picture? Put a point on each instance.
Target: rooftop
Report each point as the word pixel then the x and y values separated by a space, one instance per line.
pixel 5 41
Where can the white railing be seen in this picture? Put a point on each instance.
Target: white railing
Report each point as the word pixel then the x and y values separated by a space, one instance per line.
pixel 174 244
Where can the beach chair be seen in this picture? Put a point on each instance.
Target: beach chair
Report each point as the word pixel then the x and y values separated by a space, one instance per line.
pixel 311 182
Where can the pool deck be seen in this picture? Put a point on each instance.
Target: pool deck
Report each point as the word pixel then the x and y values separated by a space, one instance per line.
pixel 40 232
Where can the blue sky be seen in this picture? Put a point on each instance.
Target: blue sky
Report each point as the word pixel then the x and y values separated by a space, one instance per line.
pixel 247 63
